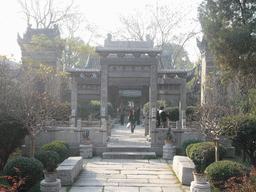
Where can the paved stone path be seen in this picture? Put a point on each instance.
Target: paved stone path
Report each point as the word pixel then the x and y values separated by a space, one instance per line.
pixel 121 136
pixel 127 175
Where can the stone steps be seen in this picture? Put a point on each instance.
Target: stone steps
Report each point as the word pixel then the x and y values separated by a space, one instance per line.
pixel 128 155
pixel 129 149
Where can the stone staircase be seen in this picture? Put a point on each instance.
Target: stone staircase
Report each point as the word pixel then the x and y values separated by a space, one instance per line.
pixel 122 144
pixel 129 155
pixel 128 152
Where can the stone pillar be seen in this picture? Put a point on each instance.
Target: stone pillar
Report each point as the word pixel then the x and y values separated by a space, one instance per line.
pixel 79 127
pixel 104 95
pixel 73 102
pixel 104 100
pixel 146 126
pixel 90 120
pixel 109 126
pixel 153 102
pixel 182 103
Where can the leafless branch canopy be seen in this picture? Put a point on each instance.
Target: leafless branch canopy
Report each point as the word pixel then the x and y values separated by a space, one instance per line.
pixel 44 14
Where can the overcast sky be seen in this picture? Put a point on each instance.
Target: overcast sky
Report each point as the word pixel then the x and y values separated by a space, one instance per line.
pixel 103 13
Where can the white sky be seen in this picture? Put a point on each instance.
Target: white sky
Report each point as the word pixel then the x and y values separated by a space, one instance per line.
pixel 104 13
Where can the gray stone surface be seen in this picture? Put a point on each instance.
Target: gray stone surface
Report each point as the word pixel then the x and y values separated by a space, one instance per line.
pixel 169 151
pixel 50 186
pixel 69 169
pixel 183 167
pixel 125 175
pixel 85 151
pixel 129 155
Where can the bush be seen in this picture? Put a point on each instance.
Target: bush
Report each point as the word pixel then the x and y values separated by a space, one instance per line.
pixel 188 142
pixel 87 107
pixel 159 103
pixel 219 172
pixel 198 149
pixel 59 148
pixel 242 184
pixel 64 143
pixel 173 113
pixel 29 167
pixel 12 134
pixel 44 157
pixel 190 112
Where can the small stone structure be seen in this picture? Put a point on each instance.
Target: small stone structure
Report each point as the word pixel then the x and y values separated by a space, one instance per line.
pixel 169 151
pixel 50 186
pixel 69 169
pixel 183 167
pixel 85 151
pixel 200 187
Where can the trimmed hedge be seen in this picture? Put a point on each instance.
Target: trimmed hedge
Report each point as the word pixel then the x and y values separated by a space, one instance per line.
pixel 188 142
pixel 219 172
pixel 173 113
pixel 64 143
pixel 29 167
pixel 44 157
pixel 58 147
pixel 198 149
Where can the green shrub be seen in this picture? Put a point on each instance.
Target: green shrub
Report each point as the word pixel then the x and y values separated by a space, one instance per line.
pixel 219 172
pixel 12 134
pixel 44 157
pixel 188 142
pixel 64 143
pixel 188 149
pixel 59 148
pixel 198 149
pixel 29 167
pixel 111 110
pixel 159 103
pixel 190 112
pixel 173 113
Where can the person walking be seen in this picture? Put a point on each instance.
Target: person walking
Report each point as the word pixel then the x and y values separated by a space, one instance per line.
pixel 132 120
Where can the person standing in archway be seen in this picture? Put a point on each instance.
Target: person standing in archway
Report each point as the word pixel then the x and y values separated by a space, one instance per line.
pixel 132 119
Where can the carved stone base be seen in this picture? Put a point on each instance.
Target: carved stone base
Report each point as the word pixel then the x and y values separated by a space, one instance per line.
pixel 195 187
pixel 50 186
pixel 169 151
pixel 85 151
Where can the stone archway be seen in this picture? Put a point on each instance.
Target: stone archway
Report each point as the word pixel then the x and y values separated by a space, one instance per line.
pixel 128 64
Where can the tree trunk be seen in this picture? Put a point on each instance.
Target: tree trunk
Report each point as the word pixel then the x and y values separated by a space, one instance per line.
pixel 32 147
pixel 217 147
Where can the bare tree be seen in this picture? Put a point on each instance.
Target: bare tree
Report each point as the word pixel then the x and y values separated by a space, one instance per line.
pixel 217 106
pixel 44 13
pixel 161 23
pixel 35 110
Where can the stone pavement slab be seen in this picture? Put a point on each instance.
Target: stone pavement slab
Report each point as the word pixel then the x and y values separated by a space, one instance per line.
pixel 121 189
pixel 127 175
pixel 86 189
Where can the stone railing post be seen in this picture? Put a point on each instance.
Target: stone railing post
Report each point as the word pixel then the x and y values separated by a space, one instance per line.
pixel 183 119
pixel 79 133
pixel 109 126
pixel 146 127
pixel 90 120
